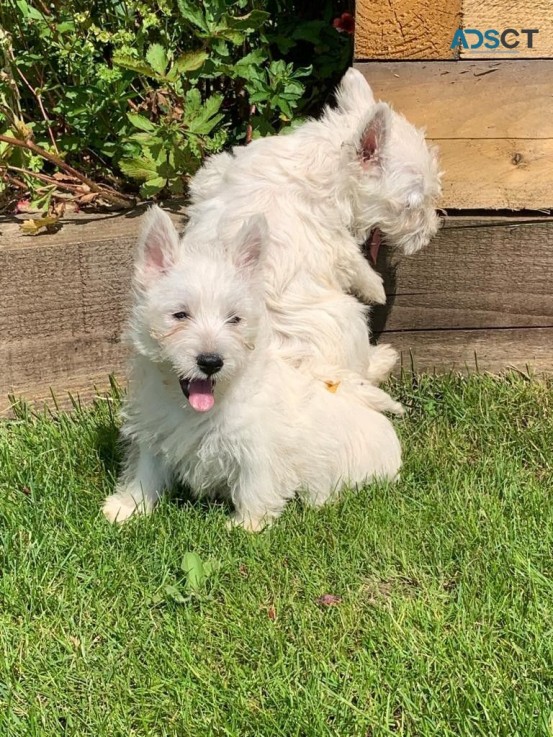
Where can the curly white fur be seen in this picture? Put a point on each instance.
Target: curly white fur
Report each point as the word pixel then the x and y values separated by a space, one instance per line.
pixel 323 189
pixel 258 430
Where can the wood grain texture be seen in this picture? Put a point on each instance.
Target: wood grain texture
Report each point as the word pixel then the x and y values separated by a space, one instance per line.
pixel 475 274
pixel 422 29
pixel 492 122
pixel 516 14
pixel 472 350
pixel 501 174
pixel 405 29
pixel 466 99
pixel 483 285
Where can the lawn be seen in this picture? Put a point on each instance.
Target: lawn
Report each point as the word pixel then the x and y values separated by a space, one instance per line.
pixel 442 617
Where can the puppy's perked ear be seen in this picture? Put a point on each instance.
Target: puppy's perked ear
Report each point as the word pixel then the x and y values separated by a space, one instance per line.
pixel 250 241
pixel 373 135
pixel 157 246
pixel 354 94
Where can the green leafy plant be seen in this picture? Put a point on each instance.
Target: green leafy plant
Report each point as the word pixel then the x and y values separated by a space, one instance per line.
pixel 196 572
pixel 127 97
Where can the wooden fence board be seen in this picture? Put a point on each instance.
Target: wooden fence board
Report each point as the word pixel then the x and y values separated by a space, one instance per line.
pixel 485 350
pixel 469 99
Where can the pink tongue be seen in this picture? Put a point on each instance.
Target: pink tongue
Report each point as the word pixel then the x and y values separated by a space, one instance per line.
pixel 375 245
pixel 200 395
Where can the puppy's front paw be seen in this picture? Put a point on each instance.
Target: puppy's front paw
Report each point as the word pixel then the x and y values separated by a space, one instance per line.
pixel 119 507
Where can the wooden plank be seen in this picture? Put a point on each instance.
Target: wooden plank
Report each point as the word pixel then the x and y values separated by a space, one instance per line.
pixel 516 14
pixel 61 365
pixel 484 284
pixel 468 350
pixel 421 29
pixel 469 99
pixel 495 146
pixel 501 174
pixel 476 309
pixel 405 29
pixel 476 274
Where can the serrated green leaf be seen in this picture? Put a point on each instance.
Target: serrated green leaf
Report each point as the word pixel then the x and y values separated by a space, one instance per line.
pixel 190 62
pixel 138 168
pixel 153 186
pixel 204 120
pixel 134 65
pixel 235 36
pixel 192 15
pixel 147 140
pixel 193 101
pixel 140 122
pixel 256 57
pixel 65 27
pixel 176 186
pixel 156 56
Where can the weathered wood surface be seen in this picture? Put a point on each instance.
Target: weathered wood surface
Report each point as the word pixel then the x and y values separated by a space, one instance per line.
pixel 492 122
pixel 516 14
pixel 422 29
pixel 405 29
pixel 484 285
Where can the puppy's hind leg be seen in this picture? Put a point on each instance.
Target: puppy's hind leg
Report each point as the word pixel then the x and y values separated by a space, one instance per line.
pixel 139 488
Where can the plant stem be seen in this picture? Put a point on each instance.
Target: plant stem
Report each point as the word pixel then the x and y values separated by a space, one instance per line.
pixel 45 178
pixel 107 193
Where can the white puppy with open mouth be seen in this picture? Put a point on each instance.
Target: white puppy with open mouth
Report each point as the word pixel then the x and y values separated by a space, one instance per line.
pixel 212 403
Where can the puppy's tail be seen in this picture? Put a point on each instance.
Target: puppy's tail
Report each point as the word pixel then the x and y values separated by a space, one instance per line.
pixel 372 396
pixel 382 361
pixel 337 380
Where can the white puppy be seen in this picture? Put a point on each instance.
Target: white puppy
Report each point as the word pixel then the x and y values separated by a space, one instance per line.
pixel 213 405
pixel 358 172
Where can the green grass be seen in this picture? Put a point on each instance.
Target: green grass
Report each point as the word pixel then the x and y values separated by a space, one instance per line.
pixel 445 624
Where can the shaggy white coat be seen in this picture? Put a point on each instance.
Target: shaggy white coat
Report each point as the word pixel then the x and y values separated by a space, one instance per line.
pixel 324 189
pixel 272 431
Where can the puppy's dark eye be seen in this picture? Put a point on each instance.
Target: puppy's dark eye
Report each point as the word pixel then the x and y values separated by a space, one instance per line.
pixel 234 320
pixel 181 315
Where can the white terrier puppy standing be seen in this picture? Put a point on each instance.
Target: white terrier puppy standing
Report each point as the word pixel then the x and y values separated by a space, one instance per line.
pixel 359 172
pixel 213 405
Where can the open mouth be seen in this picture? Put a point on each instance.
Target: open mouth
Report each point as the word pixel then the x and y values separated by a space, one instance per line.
pixel 199 393
pixel 372 245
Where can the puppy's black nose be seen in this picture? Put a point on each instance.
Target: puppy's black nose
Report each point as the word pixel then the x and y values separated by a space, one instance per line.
pixel 210 363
